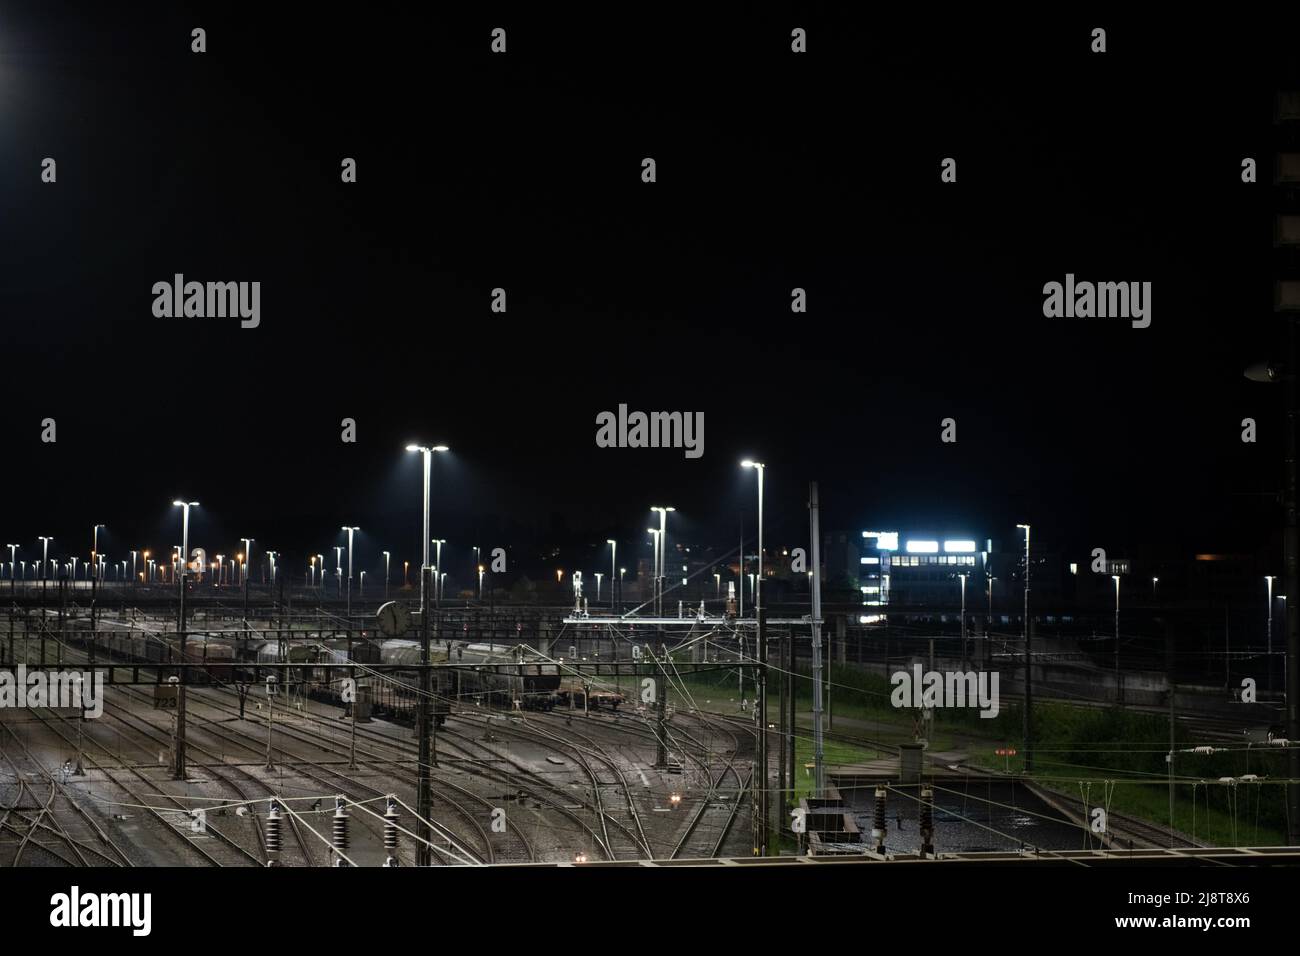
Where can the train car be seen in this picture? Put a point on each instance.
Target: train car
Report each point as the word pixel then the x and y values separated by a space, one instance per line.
pixel 138 647
pixel 394 693
pixel 584 695
pixel 523 682
pixel 217 654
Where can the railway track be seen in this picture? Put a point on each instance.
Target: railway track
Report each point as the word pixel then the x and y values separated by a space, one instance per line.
pixel 15 816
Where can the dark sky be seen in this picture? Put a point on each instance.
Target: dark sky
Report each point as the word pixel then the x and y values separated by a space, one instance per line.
pixel 523 171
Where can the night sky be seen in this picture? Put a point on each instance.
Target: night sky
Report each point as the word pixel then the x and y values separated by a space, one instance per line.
pixel 522 171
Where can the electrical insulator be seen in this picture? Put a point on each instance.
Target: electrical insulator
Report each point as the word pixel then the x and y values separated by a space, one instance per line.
pixel 878 829
pixel 927 822
pixel 340 830
pixel 273 835
pixel 390 832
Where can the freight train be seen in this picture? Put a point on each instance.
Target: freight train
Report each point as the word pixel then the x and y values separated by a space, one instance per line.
pixel 217 653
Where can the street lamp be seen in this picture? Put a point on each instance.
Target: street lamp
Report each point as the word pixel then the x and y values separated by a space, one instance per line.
pixel 363 579
pixel 185 528
pixel 427 452
pixel 599 575
pixel 963 613
pixel 654 574
pixel 613 556
pixel 662 542
pixel 717 584
pixel 387 556
pixel 1268 580
pixel 350 529
pixel 179 740
pixel 1118 696
pixel 13 550
pixel 1155 594
pixel 762 663
pixel 338 566
pixel 1029 669
pixel 248 556
pixel 312 573
pixel 480 582
pixel 94 547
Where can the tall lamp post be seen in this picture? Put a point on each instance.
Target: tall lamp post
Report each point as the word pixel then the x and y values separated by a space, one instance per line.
pixel 427 452
pixel 94 548
pixel 179 744
pixel 654 574
pixel 387 560
pixel 1119 695
pixel 614 599
pixel 1268 580
pixel 1029 662
pixel 350 530
pixel 662 541
pixel 248 555
pixel 963 614
pixel 761 677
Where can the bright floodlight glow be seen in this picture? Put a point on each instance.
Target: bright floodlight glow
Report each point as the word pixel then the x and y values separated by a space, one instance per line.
pixel 412 447
pixel 959 547
pixel 746 464
pixel 441 448
pixel 922 547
